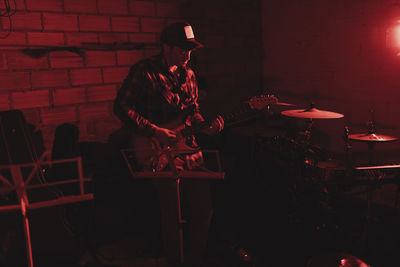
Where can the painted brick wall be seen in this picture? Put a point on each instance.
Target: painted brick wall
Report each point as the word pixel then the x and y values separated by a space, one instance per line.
pixel 63 86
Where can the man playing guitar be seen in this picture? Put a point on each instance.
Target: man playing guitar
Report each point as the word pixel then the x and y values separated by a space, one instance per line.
pixel 157 101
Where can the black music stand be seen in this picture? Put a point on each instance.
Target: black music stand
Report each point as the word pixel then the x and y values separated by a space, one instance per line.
pixel 20 184
pixel 174 173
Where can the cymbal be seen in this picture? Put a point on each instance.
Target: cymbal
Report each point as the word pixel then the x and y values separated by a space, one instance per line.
pixel 312 113
pixel 336 259
pixel 371 137
pixel 283 104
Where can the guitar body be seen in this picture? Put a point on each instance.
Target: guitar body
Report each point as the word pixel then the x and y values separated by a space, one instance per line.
pixel 151 154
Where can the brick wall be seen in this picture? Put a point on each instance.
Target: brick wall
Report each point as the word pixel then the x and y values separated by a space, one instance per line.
pixel 63 86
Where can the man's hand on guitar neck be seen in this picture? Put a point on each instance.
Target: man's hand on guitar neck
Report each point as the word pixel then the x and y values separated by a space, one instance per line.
pixel 216 126
pixel 165 135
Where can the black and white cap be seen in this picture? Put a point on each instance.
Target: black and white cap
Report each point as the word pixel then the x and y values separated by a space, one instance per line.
pixel 180 34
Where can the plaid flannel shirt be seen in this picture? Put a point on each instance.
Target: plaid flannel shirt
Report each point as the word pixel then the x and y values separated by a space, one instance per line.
pixel 151 95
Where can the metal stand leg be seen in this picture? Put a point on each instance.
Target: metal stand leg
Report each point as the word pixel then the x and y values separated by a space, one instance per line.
pixel 21 191
pixel 365 234
pixel 180 220
pixel 29 254
pixel 178 203
pixel 371 159
pixel 368 217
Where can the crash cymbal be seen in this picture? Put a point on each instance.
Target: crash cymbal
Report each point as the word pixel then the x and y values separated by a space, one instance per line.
pixel 371 137
pixel 312 113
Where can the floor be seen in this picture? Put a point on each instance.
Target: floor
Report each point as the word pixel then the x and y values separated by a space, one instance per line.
pixel 262 208
pixel 250 222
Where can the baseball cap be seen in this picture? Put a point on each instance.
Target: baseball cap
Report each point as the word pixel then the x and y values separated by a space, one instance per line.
pixel 180 34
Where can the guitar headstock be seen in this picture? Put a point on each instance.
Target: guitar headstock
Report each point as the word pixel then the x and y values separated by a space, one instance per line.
pixel 261 101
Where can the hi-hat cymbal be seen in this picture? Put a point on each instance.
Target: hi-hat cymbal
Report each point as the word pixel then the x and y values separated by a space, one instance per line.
pixel 312 113
pixel 371 137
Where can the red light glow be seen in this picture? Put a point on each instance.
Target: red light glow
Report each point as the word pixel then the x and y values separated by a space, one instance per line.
pixel 393 37
pixel 397 35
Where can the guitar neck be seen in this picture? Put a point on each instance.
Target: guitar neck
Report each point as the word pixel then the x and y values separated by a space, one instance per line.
pixel 240 114
pixel 255 103
pixel 229 119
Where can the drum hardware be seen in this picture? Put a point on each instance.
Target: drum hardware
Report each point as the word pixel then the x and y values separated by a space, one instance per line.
pixel 315 167
pixel 378 177
pixel 376 174
pixel 375 177
pixel 371 138
pixel 347 145
pixel 311 113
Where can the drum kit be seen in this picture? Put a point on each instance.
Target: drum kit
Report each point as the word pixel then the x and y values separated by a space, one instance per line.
pixel 300 144
pixel 370 137
pixel 296 161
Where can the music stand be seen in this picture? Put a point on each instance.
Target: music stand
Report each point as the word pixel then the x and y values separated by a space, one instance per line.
pixel 177 175
pixel 20 184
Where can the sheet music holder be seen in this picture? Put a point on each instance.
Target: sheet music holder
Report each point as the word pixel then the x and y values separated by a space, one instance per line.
pixel 214 171
pixel 15 180
pixel 24 166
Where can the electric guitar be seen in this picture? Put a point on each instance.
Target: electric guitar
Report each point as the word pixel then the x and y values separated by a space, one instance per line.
pixel 151 154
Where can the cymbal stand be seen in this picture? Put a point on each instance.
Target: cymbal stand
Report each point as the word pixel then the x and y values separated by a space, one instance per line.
pixel 347 146
pixel 364 239
pixel 371 145
pixel 310 124
pixel 307 139
pixel 370 187
pixel 376 178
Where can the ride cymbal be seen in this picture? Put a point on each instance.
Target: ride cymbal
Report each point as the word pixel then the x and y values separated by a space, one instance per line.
pixel 312 113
